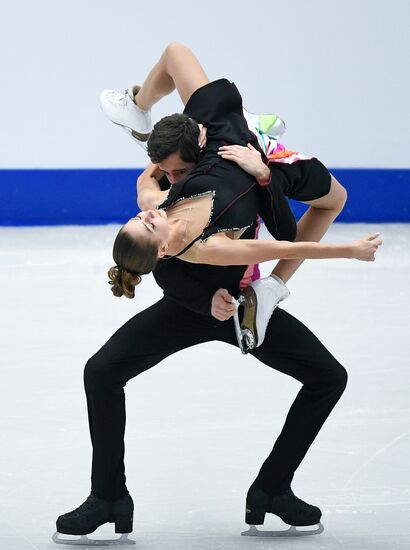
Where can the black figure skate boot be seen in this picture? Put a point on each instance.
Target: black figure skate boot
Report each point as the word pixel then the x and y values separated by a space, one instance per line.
pixel 291 510
pixel 94 512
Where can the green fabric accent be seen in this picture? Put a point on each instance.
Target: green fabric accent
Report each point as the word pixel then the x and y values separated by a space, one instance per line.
pixel 266 122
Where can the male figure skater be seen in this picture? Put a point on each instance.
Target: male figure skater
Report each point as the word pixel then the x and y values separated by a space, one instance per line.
pixel 193 310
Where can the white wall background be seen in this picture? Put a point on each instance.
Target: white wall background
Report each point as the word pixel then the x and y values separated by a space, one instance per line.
pixel 337 72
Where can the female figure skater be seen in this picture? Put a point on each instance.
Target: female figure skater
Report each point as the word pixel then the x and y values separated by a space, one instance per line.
pixel 139 344
pixel 182 228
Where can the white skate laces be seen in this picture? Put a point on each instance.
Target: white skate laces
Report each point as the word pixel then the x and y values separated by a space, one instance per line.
pixel 121 109
pixel 259 300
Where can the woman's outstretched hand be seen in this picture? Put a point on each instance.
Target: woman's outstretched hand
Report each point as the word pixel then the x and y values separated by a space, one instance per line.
pixel 364 249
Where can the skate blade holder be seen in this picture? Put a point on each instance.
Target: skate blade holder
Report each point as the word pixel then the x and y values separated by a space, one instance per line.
pixel 58 538
pixel 141 139
pixel 292 531
pixel 244 336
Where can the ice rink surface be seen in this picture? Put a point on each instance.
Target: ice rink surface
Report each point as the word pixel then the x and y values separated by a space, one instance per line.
pixel 200 424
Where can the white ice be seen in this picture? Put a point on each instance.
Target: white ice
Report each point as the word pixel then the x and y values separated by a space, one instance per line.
pixel 200 423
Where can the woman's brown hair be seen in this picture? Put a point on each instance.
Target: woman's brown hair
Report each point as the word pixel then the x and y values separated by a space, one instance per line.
pixel 134 258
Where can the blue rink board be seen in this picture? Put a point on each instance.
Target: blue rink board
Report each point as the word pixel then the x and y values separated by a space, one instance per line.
pixel 101 196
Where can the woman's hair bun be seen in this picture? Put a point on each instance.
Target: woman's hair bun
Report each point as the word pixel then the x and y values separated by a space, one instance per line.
pixel 123 282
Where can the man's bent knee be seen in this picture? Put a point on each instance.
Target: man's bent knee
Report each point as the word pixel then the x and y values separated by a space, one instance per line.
pixel 98 374
pixel 337 379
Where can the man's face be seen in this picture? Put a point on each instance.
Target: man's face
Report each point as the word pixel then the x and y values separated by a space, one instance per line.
pixel 175 168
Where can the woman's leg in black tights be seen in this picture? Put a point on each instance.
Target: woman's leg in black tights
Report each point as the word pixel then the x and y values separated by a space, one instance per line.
pixel 141 343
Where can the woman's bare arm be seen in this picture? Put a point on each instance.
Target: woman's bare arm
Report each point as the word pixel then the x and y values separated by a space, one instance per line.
pixel 221 250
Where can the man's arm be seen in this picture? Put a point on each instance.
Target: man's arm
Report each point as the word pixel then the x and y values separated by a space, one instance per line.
pixel 149 194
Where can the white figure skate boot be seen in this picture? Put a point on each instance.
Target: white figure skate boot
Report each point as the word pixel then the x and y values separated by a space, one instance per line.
pixel 259 300
pixel 121 109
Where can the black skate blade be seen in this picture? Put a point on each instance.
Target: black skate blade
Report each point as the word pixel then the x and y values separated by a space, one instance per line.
pixel 85 541
pixel 291 532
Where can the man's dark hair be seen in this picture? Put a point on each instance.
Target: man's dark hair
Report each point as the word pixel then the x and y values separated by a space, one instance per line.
pixel 172 134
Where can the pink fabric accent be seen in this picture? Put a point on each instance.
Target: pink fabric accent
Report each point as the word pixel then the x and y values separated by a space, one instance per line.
pixel 252 272
pixel 278 153
pixel 256 273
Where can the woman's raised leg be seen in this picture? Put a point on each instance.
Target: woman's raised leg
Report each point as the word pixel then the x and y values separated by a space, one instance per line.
pixel 177 68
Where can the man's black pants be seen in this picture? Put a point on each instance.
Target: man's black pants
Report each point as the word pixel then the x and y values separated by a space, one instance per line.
pixel 164 329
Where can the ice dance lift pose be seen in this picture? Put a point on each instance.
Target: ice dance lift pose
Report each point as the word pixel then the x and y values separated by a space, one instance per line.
pixel 201 247
pixel 267 128
pixel 261 296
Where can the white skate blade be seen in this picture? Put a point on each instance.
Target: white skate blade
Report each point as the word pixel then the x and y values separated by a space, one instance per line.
pixel 134 136
pixel 291 532
pixel 85 541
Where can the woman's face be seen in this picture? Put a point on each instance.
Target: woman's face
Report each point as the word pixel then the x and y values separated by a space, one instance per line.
pixel 151 224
